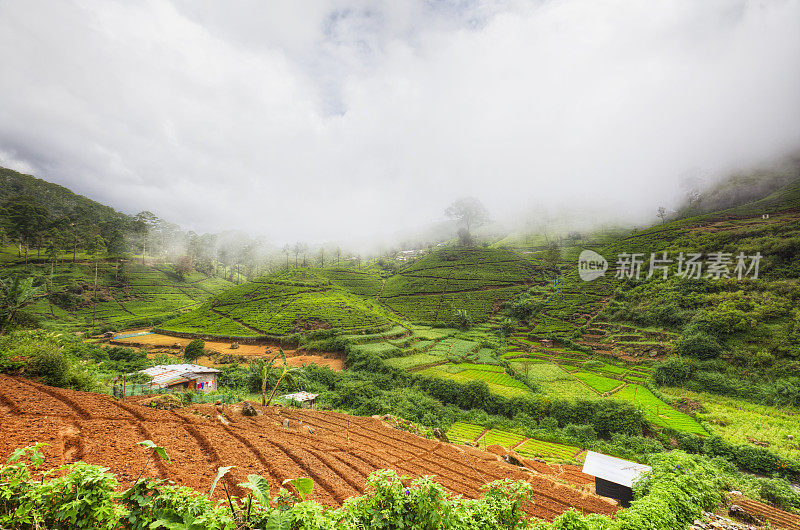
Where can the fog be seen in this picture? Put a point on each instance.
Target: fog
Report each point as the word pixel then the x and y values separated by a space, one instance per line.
pixel 347 120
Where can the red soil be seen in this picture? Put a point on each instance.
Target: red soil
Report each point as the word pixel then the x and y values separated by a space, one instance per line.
pixel 777 518
pixel 336 450
pixel 161 343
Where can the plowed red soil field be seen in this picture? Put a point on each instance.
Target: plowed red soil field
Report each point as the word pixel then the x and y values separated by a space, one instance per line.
pixel 776 517
pixel 336 450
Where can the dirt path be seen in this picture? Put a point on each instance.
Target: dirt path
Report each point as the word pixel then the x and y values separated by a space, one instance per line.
pixel 158 343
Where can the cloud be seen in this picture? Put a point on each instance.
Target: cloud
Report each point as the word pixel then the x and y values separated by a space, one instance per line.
pixel 342 119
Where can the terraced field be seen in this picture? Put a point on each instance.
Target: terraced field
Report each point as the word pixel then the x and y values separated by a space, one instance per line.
pixel 598 382
pixel 539 448
pixel 495 377
pixel 461 432
pixel 280 304
pixel 138 294
pixel 337 451
pixel 658 412
pixel 435 288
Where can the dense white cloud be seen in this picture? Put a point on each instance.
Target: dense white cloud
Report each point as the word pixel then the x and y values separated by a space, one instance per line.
pixel 344 118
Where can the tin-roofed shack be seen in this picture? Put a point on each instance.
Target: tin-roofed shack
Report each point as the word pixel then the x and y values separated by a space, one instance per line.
pixel 613 477
pixel 304 398
pixel 183 377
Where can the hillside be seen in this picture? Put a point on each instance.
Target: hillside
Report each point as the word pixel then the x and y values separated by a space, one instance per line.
pixel 279 304
pixel 337 451
pixel 475 280
pixel 744 188
pixel 57 199
pixel 128 294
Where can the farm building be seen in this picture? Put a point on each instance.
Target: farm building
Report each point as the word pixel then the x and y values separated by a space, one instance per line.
pixel 613 477
pixel 183 377
pixel 304 398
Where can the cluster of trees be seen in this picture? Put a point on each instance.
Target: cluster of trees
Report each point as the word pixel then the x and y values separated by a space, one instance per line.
pixel 27 223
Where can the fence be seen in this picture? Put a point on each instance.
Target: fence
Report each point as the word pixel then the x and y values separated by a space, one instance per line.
pixel 188 396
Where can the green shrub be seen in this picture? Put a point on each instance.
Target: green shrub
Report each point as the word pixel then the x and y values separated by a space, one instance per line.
pixel 194 350
pixel 699 345
pixel 49 363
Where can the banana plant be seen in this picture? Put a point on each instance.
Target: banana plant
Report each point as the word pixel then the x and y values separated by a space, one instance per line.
pixel 286 372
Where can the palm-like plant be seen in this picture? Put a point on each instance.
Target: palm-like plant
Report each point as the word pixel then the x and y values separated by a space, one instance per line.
pixel 15 293
pixel 286 372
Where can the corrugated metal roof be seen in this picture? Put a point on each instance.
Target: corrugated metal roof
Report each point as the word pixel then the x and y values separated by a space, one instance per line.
pixel 613 469
pixel 300 396
pixel 171 374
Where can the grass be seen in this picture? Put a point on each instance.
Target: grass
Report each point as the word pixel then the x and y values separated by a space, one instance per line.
pixel 598 382
pixel 556 382
pixel 541 449
pixel 498 381
pixel 412 361
pixel 283 303
pixel 739 421
pixel 461 432
pixel 502 438
pixel 438 286
pixel 360 282
pixel 129 294
pixel 656 411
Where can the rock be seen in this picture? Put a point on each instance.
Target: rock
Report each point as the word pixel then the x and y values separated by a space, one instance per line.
pixel 285 423
pixel 376 416
pixel 222 419
pixel 513 460
pixel 218 402
pixel 176 345
pixel 440 435
pixel 496 449
pixel 248 409
pixel 386 417
pixel 742 515
pixel 790 437
pixel 235 346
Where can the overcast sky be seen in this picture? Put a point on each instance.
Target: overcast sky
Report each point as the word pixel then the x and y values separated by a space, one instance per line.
pixel 325 119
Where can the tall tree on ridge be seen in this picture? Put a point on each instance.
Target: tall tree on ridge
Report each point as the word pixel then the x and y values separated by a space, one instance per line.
pixel 468 211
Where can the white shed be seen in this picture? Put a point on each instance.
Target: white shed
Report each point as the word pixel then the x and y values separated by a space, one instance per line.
pixel 613 477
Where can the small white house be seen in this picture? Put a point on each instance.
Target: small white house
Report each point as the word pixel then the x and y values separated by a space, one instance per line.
pixel 183 377
pixel 613 477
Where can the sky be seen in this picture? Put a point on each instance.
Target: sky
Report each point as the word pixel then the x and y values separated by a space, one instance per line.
pixel 331 119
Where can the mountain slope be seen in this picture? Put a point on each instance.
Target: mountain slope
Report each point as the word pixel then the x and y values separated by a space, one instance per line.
pixel 475 280
pixel 58 200
pixel 279 304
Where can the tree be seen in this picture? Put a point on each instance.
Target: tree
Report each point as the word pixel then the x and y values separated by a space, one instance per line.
pixel 15 293
pixel 662 213
pixel 552 255
pixel 285 372
pixel 96 248
pixel 142 226
pixel 24 220
pixel 286 250
pixel 194 350
pixel 464 238
pixel 298 248
pixel 183 267
pixel 469 212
